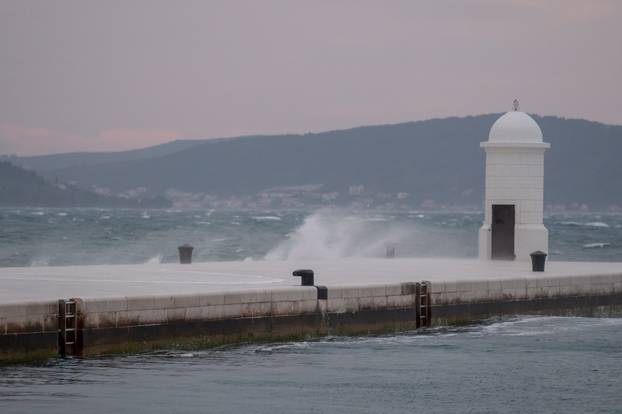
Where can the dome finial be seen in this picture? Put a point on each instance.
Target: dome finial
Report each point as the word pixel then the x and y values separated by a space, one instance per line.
pixel 515 103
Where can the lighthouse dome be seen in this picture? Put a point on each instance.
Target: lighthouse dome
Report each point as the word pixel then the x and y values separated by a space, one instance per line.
pixel 517 127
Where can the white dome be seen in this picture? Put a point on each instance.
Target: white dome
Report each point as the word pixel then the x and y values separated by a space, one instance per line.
pixel 515 126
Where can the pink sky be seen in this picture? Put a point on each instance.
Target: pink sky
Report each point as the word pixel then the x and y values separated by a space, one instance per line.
pixel 91 75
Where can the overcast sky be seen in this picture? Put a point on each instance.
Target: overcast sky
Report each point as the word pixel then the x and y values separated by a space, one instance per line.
pixel 111 75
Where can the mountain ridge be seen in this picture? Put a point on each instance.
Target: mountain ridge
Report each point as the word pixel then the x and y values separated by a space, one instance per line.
pixel 437 159
pixel 20 187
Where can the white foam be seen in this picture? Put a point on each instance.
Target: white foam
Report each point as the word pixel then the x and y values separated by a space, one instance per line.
pixel 41 261
pixel 266 218
pixel 597 224
pixel 590 224
pixel 596 245
pixel 570 223
pixel 544 325
pixel 376 219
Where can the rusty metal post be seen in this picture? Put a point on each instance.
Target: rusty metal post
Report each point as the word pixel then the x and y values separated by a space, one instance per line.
pixel 417 305
pixel 79 345
pixel 62 352
pixel 426 305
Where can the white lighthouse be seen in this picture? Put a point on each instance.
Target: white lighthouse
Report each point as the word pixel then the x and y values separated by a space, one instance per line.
pixel 514 197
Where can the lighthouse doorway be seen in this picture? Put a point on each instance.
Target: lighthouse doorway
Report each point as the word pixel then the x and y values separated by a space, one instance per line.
pixel 503 220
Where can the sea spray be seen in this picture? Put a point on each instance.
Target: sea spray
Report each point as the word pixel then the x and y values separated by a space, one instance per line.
pixel 154 260
pixel 121 236
pixel 333 233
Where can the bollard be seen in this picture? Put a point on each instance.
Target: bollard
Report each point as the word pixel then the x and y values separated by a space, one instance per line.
pixel 185 253
pixel 306 276
pixel 390 250
pixel 538 258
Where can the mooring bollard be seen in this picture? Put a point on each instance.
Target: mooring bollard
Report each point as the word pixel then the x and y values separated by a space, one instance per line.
pixel 538 258
pixel 390 249
pixel 185 253
pixel 306 276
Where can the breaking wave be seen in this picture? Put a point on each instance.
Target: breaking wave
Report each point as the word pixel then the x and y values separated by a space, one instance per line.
pixel 332 234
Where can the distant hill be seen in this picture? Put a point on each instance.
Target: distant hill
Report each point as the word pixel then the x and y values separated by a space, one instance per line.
pixel 19 187
pixel 58 161
pixel 438 159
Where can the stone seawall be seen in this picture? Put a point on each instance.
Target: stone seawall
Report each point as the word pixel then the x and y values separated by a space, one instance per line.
pixel 133 324
pixel 28 330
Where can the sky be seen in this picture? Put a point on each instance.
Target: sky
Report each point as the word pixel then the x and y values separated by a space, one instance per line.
pixel 112 75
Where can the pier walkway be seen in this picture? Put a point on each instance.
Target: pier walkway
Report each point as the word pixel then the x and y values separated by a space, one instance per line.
pixel 90 310
pixel 51 283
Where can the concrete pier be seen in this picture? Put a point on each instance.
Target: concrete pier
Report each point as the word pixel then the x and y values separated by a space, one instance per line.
pixel 132 308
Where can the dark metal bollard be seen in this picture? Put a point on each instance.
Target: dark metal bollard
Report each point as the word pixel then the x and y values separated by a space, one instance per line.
pixel 185 254
pixel 390 250
pixel 538 259
pixel 306 276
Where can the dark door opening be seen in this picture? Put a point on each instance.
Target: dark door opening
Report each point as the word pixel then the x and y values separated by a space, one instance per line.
pixel 503 218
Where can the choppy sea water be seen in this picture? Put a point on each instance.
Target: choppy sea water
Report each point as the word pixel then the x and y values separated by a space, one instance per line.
pixel 518 365
pixel 42 237
pixel 524 364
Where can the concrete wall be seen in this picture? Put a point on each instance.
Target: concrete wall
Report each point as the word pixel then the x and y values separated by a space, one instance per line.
pixel 141 323
pixel 125 312
pixel 501 290
pixel 28 329
pixel 30 317
pixel 463 302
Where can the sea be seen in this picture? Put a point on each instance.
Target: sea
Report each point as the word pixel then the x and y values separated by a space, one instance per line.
pixel 520 364
pixel 60 237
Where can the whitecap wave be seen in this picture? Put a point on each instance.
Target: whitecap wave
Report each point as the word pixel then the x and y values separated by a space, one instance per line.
pixel 266 218
pixel 590 224
pixel 597 224
pixel 40 261
pixel 596 245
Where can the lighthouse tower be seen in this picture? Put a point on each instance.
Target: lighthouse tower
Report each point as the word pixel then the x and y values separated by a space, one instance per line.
pixel 514 207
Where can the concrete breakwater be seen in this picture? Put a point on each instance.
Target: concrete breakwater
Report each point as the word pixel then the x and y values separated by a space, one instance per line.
pixel 89 322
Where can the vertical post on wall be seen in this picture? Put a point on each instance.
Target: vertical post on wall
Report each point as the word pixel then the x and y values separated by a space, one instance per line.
pixel 62 352
pixel 423 293
pixel 417 305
